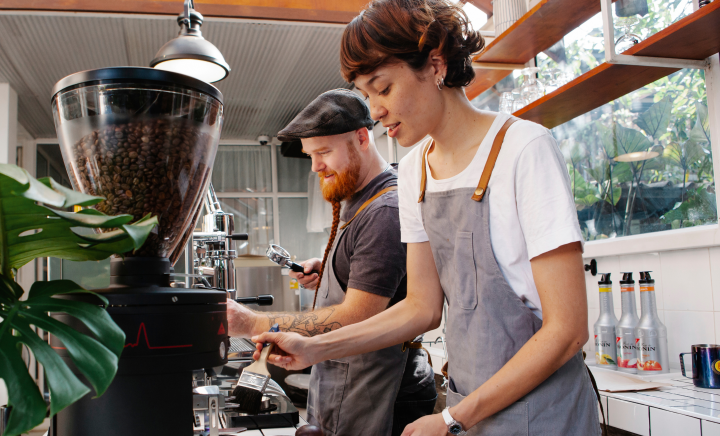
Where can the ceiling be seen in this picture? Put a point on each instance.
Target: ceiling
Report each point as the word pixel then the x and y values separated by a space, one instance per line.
pixel 277 67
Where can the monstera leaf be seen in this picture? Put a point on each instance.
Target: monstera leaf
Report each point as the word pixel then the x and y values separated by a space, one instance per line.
pixel 656 119
pixel 31 226
pixel 96 357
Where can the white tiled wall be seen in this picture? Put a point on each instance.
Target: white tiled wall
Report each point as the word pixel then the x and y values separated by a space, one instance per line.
pixel 687 290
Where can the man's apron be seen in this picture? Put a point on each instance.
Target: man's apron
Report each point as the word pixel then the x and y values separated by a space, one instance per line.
pixel 354 395
pixel 487 323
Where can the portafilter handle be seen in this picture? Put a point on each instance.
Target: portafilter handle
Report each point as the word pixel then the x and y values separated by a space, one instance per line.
pixel 260 300
pixel 281 257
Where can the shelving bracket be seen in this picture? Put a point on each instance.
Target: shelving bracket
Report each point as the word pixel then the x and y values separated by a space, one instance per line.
pixel 620 59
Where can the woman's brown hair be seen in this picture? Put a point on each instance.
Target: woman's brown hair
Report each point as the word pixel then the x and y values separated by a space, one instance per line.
pixel 408 30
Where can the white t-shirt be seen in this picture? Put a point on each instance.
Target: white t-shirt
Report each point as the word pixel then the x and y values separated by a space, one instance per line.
pixel 532 208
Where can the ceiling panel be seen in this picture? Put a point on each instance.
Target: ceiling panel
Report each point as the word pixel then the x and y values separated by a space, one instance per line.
pixel 277 67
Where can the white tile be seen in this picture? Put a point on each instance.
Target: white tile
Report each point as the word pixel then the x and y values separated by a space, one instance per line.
pixel 715 275
pixel 702 411
pixel 685 329
pixel 686 280
pixel 692 392
pixel 664 423
pixel 628 416
pixel 710 428
pixel 717 325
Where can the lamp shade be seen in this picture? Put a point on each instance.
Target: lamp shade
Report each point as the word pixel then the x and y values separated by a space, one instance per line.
pixel 191 54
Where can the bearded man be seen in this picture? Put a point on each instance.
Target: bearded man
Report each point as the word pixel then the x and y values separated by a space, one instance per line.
pixel 361 274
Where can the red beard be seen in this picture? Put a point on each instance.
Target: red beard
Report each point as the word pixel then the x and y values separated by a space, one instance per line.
pixel 344 184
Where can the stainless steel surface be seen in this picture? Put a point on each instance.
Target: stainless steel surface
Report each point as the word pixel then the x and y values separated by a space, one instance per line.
pixel 256 280
pixel 278 255
pixel 241 348
pixel 214 247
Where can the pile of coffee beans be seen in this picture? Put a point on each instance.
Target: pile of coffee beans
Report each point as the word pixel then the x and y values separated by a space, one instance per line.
pixel 155 166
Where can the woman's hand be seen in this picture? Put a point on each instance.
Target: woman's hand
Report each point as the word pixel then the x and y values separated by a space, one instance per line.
pixel 292 351
pixel 431 425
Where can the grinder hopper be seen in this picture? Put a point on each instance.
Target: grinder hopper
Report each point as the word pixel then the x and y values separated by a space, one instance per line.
pixel 145 140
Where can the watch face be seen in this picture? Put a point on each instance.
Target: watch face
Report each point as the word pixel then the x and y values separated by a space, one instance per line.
pixel 455 429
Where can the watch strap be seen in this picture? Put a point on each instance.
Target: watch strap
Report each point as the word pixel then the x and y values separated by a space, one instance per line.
pixel 446 416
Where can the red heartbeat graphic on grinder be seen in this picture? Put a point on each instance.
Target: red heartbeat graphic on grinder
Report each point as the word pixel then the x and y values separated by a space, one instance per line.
pixel 147 342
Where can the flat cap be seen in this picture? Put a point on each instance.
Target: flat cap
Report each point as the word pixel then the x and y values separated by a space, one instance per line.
pixel 331 113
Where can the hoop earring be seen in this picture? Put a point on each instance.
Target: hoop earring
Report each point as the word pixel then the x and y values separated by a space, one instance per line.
pixel 440 83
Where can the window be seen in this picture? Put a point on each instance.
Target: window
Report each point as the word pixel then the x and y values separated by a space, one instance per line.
pixel 268 194
pixel 643 162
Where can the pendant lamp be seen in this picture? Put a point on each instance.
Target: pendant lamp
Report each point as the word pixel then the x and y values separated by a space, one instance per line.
pixel 189 53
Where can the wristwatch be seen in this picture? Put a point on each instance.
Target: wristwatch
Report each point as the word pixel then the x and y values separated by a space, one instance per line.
pixel 454 427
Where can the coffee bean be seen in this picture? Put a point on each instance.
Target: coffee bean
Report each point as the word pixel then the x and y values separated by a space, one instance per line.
pixel 136 167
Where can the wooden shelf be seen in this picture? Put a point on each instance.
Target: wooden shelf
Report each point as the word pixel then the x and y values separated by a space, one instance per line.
pixel 538 30
pixel 693 37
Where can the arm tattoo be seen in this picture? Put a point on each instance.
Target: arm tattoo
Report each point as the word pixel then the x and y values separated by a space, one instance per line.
pixel 306 324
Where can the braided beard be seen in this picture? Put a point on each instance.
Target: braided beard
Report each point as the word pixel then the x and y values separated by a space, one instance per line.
pixel 343 187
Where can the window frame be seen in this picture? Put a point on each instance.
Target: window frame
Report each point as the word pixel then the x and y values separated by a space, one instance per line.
pixel 275 195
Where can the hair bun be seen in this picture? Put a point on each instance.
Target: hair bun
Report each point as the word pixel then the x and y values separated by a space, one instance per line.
pixel 408 30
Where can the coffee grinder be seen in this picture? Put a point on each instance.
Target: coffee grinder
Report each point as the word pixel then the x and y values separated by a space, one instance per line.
pixel 145 140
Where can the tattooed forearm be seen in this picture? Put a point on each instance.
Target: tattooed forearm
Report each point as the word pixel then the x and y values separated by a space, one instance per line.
pixel 306 324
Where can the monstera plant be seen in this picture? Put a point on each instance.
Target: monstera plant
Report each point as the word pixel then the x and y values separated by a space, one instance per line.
pixel 34 222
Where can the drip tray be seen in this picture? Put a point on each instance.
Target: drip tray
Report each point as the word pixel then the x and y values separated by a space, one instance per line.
pixel 283 415
pixel 241 349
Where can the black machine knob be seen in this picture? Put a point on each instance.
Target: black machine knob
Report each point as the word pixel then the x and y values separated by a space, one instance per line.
pixel 239 237
pixel 592 267
pixel 260 300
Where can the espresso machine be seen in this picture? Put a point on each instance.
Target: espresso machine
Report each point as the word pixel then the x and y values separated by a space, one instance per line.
pixel 145 140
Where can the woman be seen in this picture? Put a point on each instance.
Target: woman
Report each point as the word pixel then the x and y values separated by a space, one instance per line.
pixel 490 224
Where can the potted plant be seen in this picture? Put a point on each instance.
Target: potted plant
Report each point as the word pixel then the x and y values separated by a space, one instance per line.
pixel 33 224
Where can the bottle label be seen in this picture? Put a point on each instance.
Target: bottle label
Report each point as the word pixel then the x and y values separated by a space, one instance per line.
pixel 626 351
pixel 648 355
pixel 605 349
pixel 647 288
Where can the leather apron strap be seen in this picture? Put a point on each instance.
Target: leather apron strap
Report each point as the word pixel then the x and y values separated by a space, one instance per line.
pixel 489 164
pixel 367 203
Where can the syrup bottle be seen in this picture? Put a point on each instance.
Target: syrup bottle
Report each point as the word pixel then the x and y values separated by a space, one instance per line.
pixel 626 339
pixel 651 332
pixel 604 328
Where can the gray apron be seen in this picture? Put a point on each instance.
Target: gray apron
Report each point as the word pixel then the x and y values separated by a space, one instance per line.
pixel 354 395
pixel 487 323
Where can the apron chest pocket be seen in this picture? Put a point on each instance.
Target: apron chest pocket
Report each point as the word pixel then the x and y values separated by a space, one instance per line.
pixel 465 271
pixel 330 393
